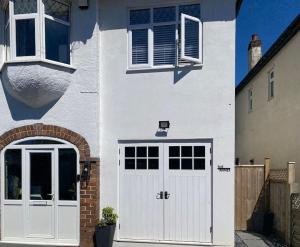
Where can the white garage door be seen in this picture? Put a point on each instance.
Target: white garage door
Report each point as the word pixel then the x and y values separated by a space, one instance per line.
pixel 165 192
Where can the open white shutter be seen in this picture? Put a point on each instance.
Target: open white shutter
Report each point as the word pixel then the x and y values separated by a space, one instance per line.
pixel 191 39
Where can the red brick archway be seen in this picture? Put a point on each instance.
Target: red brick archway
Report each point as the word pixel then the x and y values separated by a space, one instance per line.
pixel 89 192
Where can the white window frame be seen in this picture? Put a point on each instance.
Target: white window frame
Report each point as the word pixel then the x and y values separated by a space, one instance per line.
pixel 271 84
pixel 150 27
pixel 40 40
pixel 185 17
pixel 6 33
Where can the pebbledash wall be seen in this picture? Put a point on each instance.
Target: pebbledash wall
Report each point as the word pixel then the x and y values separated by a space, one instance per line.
pixel 198 102
pixel 73 117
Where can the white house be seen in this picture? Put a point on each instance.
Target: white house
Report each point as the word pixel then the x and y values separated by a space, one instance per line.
pixel 128 104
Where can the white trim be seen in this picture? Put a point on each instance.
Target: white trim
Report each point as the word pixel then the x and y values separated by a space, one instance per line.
pixel 182 55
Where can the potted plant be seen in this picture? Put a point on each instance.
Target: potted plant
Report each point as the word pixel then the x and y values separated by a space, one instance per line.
pixel 105 230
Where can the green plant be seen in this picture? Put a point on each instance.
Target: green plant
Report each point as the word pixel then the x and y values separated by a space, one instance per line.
pixel 109 217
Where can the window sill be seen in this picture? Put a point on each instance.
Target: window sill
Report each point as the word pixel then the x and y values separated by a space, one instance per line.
pixel 63 65
pixel 163 68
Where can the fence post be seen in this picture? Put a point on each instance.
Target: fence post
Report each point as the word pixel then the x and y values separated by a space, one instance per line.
pixel 291 176
pixel 267 163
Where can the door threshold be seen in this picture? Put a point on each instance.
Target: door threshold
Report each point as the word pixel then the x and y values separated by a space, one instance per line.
pixel 163 242
pixel 28 243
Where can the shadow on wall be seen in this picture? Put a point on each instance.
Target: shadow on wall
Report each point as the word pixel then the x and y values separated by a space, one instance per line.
pixel 20 111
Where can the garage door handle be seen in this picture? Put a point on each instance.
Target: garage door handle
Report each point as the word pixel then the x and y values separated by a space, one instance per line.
pixel 160 195
pixel 167 195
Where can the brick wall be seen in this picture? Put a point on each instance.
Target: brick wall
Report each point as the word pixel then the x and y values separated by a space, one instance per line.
pixel 89 189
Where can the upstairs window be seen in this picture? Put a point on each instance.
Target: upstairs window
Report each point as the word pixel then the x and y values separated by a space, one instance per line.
pixel 165 36
pixel 271 84
pixel 39 29
pixel 250 100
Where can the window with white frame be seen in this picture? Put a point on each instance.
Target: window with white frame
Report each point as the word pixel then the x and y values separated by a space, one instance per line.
pixel 271 84
pixel 250 100
pixel 38 29
pixel 165 36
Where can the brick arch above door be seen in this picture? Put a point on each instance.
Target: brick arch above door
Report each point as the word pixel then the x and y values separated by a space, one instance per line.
pixel 40 129
pixel 89 190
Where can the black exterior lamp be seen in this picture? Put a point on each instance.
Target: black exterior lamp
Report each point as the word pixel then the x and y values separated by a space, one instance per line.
pixel 86 170
pixel 163 125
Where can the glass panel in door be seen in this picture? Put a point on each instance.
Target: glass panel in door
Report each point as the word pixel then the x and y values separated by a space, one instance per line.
pixel 40 176
pixel 40 194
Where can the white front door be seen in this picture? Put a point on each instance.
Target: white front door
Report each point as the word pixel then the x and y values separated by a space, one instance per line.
pixel 165 195
pixel 40 194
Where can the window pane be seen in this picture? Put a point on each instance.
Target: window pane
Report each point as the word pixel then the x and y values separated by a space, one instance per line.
pixel 141 164
pixel 152 151
pixel 187 164
pixel 192 39
pixel 141 151
pixel 129 164
pixel 174 164
pixel 39 142
pixel 165 14
pixel 57 41
pixel 140 46
pixel 153 164
pixel 40 176
pixel 141 16
pixel 130 152
pixel 6 15
pixel 164 44
pixel 186 151
pixel 57 10
pixel 199 151
pixel 25 37
pixel 67 175
pixel 199 164
pixel 174 151
pixel 25 7
pixel 192 10
pixel 13 174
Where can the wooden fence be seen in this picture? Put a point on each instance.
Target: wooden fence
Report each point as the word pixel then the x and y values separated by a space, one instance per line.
pixel 249 183
pixel 295 220
pixel 259 189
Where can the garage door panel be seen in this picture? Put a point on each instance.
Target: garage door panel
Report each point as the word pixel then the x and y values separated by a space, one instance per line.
pixel 183 174
pixel 140 211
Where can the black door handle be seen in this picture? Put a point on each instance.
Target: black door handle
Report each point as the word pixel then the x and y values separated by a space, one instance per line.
pixel 160 195
pixel 167 195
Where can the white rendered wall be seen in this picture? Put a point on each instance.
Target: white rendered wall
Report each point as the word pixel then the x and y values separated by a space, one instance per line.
pixel 78 108
pixel 199 103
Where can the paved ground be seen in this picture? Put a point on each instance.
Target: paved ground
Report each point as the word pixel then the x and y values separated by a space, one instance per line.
pixel 246 239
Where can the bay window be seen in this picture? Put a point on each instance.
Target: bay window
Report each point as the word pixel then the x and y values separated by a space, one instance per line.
pixel 38 29
pixel 165 36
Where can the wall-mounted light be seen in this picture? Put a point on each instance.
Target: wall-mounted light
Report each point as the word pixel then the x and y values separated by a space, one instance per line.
pixel 164 125
pixel 86 170
pixel 83 4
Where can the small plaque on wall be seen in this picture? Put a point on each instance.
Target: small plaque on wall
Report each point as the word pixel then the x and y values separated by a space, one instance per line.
pixel 223 169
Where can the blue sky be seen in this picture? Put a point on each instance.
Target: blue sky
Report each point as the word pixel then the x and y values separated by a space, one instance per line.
pixel 268 19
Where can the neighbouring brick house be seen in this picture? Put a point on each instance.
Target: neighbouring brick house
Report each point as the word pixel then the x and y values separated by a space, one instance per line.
pixel 128 104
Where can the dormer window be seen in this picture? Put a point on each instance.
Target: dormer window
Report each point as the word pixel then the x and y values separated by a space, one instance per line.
pixel 37 29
